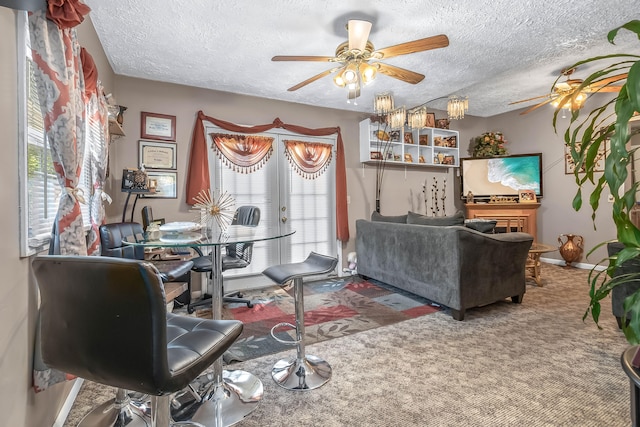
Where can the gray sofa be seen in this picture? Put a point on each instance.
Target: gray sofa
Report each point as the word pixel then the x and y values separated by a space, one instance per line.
pixel 455 266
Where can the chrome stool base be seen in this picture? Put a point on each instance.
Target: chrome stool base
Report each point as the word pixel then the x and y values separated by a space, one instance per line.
pixel 126 413
pixel 307 374
pixel 239 394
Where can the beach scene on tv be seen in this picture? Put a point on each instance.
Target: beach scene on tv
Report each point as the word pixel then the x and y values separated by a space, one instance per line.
pixel 501 176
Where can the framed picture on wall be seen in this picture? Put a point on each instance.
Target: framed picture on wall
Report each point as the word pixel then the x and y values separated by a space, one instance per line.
pixel 160 127
pixel 157 155
pixel 165 184
pixel 570 166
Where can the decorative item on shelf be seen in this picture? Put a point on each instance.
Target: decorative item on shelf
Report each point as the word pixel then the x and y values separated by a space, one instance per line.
pixel 408 138
pixel 423 139
pixel 448 160
pixel 469 197
pixel 571 249
pixel 457 106
pixel 421 159
pixel 442 123
pixel 489 144
pixel 527 196
pixel 394 136
pixel 408 158
pixel 215 211
pixel 502 199
pixel 381 135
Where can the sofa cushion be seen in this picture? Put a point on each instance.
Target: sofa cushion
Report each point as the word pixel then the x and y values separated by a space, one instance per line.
pixel 455 219
pixel 400 219
pixel 481 225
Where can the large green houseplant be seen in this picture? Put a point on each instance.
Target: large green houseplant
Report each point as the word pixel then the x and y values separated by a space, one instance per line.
pixel 584 136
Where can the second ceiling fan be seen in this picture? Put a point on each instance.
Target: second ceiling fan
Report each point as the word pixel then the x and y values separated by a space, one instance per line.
pixel 358 61
pixel 571 94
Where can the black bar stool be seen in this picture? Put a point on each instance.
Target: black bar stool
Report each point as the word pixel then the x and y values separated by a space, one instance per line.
pixel 304 372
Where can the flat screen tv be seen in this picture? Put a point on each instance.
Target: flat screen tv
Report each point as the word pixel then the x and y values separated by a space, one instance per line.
pixel 501 176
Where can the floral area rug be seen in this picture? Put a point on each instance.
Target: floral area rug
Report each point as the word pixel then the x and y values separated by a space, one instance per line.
pixel 333 308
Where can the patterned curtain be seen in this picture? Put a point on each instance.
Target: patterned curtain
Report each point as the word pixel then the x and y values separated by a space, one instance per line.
pixel 61 90
pixel 198 173
pixel 243 153
pixel 60 82
pixel 97 116
pixel 309 159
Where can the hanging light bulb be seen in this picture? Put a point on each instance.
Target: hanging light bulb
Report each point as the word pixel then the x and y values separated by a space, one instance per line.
pixel 368 72
pixel 338 80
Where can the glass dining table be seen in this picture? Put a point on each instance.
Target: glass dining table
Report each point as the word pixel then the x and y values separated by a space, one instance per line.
pixel 218 397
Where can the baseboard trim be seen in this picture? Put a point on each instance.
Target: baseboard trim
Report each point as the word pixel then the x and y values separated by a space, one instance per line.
pixel 68 403
pixel 580 265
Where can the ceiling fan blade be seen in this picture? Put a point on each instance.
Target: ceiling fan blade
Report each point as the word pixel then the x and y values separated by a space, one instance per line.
pixel 611 79
pixel 535 107
pixel 527 100
pixel 302 58
pixel 604 89
pixel 420 45
pixel 311 80
pixel 358 34
pixel 399 73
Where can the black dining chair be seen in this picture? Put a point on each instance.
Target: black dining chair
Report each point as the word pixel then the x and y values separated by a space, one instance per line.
pixel 236 256
pixel 105 319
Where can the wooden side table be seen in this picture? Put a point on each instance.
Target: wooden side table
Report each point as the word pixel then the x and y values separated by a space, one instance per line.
pixel 533 261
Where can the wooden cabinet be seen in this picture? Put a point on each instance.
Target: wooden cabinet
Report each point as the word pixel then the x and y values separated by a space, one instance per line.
pixel 414 147
pixel 510 216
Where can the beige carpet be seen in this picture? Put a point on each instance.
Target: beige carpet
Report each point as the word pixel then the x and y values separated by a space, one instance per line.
pixel 532 364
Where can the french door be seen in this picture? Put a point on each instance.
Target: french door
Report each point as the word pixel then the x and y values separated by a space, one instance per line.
pixel 287 201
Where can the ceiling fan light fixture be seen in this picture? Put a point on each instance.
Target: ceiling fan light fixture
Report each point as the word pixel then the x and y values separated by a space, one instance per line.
pixel 457 106
pixel 350 73
pixel 368 72
pixel 338 80
pixel 358 34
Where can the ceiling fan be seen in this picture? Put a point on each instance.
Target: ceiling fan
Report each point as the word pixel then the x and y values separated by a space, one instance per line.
pixel 358 61
pixel 571 94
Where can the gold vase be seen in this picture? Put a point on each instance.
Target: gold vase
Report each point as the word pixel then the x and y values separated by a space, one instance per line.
pixel 571 248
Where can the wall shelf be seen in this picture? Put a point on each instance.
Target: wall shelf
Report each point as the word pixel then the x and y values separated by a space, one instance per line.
pixel 114 128
pixel 430 147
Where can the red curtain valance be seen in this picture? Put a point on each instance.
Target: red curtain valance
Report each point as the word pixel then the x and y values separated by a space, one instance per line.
pixel 243 153
pixel 198 174
pixel 66 13
pixel 309 159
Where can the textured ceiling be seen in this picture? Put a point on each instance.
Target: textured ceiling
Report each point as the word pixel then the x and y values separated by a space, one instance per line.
pixel 500 50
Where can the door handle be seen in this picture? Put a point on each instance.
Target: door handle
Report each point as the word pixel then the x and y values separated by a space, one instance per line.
pixel 283 219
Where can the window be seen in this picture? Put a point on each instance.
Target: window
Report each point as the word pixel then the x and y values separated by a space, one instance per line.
pixel 40 191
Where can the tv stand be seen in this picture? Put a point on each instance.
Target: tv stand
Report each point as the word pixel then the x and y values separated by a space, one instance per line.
pixel 510 216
